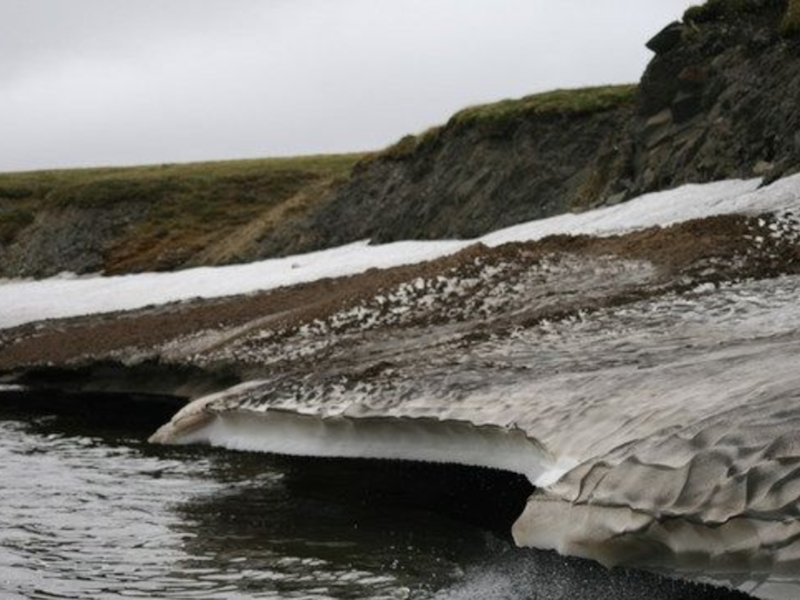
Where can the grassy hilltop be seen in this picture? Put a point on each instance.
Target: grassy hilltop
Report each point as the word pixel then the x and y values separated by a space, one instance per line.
pixel 570 102
pixel 174 210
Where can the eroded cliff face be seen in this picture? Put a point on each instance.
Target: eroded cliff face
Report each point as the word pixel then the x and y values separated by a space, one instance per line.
pixel 469 179
pixel 719 100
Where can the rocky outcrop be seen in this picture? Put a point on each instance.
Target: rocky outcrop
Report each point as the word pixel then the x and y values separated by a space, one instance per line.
pixel 719 103
pixel 72 239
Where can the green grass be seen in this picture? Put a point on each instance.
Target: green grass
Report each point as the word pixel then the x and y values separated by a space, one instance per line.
pixel 409 144
pixel 181 208
pixel 790 24
pixel 101 186
pixel 558 102
pixel 717 10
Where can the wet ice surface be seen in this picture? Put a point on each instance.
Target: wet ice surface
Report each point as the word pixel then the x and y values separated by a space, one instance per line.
pixel 90 516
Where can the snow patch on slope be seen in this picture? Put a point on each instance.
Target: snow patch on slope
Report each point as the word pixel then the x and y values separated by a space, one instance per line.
pixel 27 301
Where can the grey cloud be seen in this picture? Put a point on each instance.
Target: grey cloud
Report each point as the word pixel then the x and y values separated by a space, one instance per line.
pixel 134 81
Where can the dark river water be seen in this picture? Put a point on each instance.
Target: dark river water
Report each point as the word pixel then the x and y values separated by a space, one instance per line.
pixel 88 513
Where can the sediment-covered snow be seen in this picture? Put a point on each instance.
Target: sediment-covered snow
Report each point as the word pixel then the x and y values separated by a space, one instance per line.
pixel 26 301
pixel 679 414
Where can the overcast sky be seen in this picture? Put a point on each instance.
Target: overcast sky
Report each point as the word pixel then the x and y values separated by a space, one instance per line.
pixel 101 82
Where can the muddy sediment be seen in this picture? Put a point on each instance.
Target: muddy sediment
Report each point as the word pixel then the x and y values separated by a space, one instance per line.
pixel 472 291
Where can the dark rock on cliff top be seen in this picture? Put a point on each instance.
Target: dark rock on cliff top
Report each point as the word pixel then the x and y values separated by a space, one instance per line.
pixel 666 39
pixel 721 103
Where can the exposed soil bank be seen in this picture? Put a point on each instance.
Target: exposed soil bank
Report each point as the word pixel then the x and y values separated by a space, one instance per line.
pixel 153 218
pixel 182 348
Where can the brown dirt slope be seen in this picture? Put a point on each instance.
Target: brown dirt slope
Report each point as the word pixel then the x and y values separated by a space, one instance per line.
pixel 162 217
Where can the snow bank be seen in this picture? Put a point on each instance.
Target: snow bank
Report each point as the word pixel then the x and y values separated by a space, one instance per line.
pixel 65 296
pixel 26 301
pixel 392 438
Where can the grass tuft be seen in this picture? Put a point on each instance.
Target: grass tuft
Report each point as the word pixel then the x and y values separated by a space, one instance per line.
pixel 558 102
pixel 409 144
pixel 713 10
pixel 730 10
pixel 790 24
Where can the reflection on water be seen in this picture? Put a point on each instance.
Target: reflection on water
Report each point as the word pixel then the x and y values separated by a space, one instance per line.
pixel 87 514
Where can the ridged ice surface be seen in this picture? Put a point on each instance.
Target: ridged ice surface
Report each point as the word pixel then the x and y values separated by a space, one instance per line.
pixel 690 447
pixel 681 413
pixel 656 404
